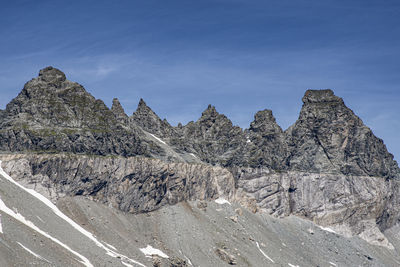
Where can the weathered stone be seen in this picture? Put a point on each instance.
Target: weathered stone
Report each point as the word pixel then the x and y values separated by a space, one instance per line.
pixel 329 138
pixel 53 114
pixel 225 256
pixel 145 117
pixel 177 262
pixel 129 184
pixel 119 112
pixel 202 205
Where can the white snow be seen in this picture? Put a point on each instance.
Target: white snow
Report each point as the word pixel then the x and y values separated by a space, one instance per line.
pixel 327 229
pixel 193 155
pixel 331 263
pixel 22 219
pixel 222 201
pixel 265 255
pixel 54 208
pixel 248 140
pixel 291 265
pixel 33 253
pixel 188 260
pixel 158 139
pixel 110 246
pixel 150 251
pixel 126 264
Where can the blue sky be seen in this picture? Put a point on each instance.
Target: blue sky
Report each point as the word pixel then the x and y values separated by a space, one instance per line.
pixel 239 55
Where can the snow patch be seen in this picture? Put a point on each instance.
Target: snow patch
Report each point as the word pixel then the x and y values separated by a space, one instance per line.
pixel 265 255
pixel 150 251
pixel 222 201
pixel 126 264
pixel 333 264
pixel 291 265
pixel 33 253
pixel 193 155
pixel 327 229
pixel 54 208
pixel 22 219
pixel 108 245
pixel 188 260
pixel 158 139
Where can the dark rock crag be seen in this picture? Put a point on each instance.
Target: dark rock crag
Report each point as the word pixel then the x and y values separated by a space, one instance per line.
pixel 52 114
pixel 329 137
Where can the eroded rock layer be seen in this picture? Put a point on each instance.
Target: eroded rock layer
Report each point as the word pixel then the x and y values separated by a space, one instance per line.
pixel 129 184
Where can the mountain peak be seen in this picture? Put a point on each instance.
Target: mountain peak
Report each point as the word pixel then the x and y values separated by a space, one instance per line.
pixel 264 122
pixel 52 75
pixel 320 96
pixel 146 118
pixel 210 112
pixel 118 110
pixel 142 103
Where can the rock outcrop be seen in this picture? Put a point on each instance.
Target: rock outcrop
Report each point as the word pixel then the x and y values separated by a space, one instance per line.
pixel 132 185
pixel 213 138
pixel 52 114
pixel 146 118
pixel 263 137
pixel 352 205
pixel 329 138
pixel 119 112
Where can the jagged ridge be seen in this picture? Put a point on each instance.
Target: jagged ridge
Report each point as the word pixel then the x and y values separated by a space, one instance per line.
pixel 327 167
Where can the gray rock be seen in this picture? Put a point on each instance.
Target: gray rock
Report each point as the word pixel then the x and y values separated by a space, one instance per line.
pixel 351 205
pixel 329 138
pixel 129 184
pixel 225 256
pixel 266 142
pixel 53 114
pixel 119 112
pixel 213 138
pixel 177 262
pixel 148 120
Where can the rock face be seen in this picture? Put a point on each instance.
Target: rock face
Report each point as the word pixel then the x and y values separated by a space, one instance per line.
pixel 145 117
pixel 329 137
pixel 263 137
pixel 128 184
pixel 349 204
pixel 328 167
pixel 119 112
pixel 213 138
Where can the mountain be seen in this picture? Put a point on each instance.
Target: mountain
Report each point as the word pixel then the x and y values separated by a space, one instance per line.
pixel 205 193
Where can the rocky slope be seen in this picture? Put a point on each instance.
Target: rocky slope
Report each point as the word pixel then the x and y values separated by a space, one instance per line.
pixel 191 233
pixel 328 167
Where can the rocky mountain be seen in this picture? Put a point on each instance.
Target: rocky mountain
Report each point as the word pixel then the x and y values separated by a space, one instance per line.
pixel 328 168
pixel 145 117
pixel 53 114
pixel 329 137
